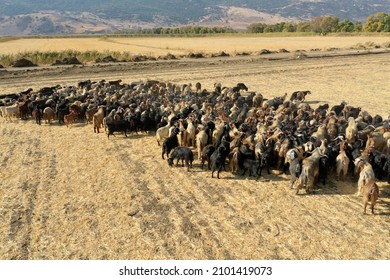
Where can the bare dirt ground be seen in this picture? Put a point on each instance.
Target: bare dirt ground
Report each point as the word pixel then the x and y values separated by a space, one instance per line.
pixel 67 193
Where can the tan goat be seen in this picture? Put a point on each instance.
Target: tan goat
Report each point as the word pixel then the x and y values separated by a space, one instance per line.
pixel 370 195
pixel 217 134
pixel 201 142
pixel 366 175
pixel 48 114
pixel 162 133
pixel 191 131
pixel 351 131
pixel 342 162
pixel 310 171
pixel 234 159
pixel 377 141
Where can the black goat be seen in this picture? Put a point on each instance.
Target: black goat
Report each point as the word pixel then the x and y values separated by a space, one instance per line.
pixel 84 84
pixel 217 160
pixel 206 154
pixel 386 169
pixel 325 164
pixel 338 109
pixel 253 166
pixel 240 86
pixel 295 170
pixel 183 154
pixel 299 95
pixel 323 107
pixel 117 126
pixel 351 112
pixel 226 144
pixel 37 113
pixel 378 161
pixel 170 143
pixel 62 109
pixel 262 154
pixel 324 169
pixel 209 128
pixel 264 161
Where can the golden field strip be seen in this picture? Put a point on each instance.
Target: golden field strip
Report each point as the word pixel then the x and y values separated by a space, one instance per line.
pixel 157 46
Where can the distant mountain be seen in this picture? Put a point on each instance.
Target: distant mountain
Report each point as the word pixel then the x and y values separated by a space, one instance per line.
pixel 22 17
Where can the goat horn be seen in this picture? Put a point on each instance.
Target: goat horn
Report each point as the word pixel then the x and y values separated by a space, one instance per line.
pixel 338 137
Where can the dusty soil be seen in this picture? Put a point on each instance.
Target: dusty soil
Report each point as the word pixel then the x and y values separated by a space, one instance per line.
pixel 67 193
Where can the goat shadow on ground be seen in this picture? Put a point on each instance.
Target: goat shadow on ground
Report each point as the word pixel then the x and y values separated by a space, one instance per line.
pixel 228 175
pixel 315 102
pixel 334 188
pixel 57 124
pixel 119 136
pixel 75 125
pixel 383 207
pixel 54 123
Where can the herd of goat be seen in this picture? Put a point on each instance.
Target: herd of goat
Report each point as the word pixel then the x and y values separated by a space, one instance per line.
pixel 227 126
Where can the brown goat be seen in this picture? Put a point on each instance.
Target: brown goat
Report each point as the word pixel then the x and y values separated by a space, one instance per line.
pixel 89 114
pixel 97 120
pixel 114 83
pixel 370 195
pixel 70 118
pixel 310 171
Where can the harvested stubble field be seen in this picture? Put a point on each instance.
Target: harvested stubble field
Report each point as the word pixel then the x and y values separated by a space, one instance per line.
pixel 67 193
pixel 157 46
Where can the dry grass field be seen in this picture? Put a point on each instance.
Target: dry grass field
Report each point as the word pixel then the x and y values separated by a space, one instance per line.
pixel 156 46
pixel 67 193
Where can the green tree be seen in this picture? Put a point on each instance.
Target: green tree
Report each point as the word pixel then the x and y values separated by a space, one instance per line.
pixel 203 30
pixel 289 27
pixel 386 23
pixel 256 28
pixel 303 26
pixel 358 27
pixel 315 24
pixel 345 26
pixel 329 24
pixel 377 23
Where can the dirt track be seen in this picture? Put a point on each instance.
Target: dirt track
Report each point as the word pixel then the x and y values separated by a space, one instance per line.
pixel 67 193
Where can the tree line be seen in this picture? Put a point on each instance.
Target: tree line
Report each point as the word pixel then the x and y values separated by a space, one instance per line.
pixel 182 30
pixel 379 22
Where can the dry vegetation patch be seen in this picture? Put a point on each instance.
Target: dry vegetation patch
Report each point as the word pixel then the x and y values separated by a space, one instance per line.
pixel 89 49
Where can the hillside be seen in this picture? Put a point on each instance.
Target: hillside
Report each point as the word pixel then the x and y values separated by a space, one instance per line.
pixel 66 17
